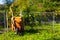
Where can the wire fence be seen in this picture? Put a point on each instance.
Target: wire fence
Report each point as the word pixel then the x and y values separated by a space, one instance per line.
pixel 2 22
pixel 49 19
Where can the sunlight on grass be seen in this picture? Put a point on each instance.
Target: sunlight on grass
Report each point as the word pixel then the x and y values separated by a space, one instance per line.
pixel 37 33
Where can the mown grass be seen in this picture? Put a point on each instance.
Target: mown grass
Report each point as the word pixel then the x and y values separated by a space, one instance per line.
pixel 43 32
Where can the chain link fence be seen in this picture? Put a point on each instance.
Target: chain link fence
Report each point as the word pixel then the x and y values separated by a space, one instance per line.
pixel 2 22
pixel 49 20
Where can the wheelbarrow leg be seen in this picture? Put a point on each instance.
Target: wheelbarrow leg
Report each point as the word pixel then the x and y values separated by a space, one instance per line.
pixel 16 31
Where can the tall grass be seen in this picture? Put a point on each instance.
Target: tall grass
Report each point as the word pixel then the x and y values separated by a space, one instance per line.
pixel 43 32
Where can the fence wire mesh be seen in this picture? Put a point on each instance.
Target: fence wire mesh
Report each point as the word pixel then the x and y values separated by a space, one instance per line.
pixel 2 22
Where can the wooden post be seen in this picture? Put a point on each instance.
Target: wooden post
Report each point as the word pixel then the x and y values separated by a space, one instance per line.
pixel 7 20
pixel 4 19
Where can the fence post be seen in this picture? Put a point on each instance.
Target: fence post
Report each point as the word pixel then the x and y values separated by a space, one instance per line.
pixel 7 20
pixel 4 19
pixel 53 21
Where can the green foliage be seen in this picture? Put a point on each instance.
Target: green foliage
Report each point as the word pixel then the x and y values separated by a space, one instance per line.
pixel 51 6
pixel 34 6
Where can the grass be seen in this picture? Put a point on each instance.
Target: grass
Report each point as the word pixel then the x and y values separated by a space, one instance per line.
pixel 1 27
pixel 43 32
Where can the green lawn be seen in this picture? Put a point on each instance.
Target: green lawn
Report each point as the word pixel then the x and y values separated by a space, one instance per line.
pixel 43 32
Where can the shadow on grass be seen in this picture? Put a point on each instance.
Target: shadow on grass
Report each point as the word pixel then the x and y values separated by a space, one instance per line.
pixel 56 38
pixel 33 31
pixel 53 39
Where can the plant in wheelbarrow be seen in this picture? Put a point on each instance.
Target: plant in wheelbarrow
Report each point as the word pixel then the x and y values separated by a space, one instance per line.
pixel 17 26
